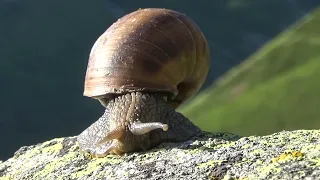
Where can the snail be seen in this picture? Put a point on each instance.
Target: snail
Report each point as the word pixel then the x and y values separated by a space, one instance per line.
pixel 143 67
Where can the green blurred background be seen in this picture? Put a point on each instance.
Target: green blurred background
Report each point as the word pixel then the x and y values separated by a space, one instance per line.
pixel 263 78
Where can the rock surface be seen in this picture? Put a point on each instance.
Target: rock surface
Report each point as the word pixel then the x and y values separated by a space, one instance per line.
pixel 283 155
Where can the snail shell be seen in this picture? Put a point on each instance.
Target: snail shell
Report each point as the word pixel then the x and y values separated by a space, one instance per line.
pixel 141 68
pixel 149 50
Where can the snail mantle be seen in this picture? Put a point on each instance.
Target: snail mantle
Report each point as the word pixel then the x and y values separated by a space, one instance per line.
pixel 283 155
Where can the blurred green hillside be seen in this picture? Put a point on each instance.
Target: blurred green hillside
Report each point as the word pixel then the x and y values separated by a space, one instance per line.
pixel 276 88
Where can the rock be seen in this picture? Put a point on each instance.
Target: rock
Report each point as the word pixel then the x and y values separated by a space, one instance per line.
pixel 284 155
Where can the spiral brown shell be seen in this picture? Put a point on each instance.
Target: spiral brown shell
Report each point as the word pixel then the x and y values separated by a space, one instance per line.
pixel 149 50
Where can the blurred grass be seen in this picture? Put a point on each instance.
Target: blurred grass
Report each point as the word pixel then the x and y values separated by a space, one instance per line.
pixel 274 89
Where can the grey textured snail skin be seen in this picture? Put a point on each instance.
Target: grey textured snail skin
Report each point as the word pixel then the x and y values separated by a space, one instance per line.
pixel 152 111
pixel 141 69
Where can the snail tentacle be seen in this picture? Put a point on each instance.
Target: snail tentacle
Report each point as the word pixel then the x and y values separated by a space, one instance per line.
pixel 115 134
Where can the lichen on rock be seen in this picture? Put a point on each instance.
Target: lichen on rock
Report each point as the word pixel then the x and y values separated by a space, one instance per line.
pixel 283 155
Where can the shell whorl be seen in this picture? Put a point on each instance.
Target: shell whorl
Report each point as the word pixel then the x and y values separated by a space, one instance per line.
pixel 149 49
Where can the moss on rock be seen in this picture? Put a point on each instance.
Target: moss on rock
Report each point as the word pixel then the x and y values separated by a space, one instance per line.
pixel 283 155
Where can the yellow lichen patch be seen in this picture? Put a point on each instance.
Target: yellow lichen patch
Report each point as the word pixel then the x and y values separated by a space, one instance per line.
pixel 74 148
pixel 243 161
pixel 226 145
pixel 271 168
pixel 49 167
pixel 227 177
pixel 311 139
pixel 288 156
pixel 257 151
pixel 317 161
pixel 313 152
pixel 246 146
pixel 243 178
pixel 53 149
pixel 195 151
pixel 95 164
pixel 263 141
pixel 22 162
pixel 114 159
pixel 312 147
pixel 56 163
pixel 29 154
pixel 46 155
pixel 209 163
pixel 8 178
pixel 57 140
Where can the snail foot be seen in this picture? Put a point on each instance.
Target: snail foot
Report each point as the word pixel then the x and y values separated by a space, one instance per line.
pixel 113 146
pixel 111 143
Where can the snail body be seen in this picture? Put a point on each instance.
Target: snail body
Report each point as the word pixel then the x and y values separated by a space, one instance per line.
pixel 141 69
